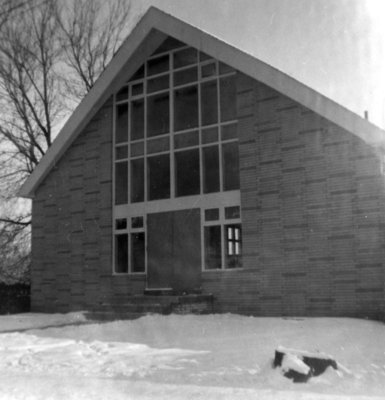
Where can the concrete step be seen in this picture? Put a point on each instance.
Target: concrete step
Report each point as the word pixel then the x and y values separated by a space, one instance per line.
pixel 111 315
pixel 137 308
pixel 138 305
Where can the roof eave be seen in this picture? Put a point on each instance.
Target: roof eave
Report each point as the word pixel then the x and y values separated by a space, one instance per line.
pixel 144 39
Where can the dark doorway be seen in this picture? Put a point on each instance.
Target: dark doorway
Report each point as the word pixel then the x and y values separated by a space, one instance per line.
pixel 174 250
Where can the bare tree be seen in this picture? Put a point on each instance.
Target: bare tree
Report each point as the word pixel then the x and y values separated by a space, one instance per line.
pixel 7 7
pixel 51 54
pixel 91 32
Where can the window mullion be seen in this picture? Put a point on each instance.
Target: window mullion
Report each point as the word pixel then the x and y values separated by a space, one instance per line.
pixel 200 131
pixel 129 147
pixel 171 124
pixel 219 134
pixel 145 183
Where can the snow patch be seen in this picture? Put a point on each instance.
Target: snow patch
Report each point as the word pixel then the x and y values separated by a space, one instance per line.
pixel 31 354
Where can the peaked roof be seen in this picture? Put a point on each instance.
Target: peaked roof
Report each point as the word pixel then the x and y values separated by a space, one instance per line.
pixel 144 39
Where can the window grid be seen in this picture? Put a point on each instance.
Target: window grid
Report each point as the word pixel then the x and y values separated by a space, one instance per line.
pixel 224 224
pixel 129 230
pixel 171 132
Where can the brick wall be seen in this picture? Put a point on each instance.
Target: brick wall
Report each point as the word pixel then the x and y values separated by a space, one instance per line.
pixel 313 201
pixel 72 231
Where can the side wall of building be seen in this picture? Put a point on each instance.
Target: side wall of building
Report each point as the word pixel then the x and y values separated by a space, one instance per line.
pixel 312 199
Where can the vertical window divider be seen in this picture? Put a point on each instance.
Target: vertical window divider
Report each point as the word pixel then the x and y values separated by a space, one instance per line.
pixel 171 123
pixel 203 250
pixel 145 244
pixel 113 184
pixel 219 131
pixel 200 128
pixel 145 100
pixel 222 222
pixel 129 103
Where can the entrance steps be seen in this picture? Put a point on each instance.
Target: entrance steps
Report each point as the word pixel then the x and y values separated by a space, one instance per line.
pixel 154 303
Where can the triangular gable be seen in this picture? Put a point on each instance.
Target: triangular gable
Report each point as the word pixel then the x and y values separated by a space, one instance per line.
pixel 145 38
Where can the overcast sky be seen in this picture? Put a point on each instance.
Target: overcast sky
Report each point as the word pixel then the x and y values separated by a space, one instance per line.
pixel 337 47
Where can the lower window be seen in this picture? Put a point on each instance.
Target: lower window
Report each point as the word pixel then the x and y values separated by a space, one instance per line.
pixel 222 239
pixel 130 246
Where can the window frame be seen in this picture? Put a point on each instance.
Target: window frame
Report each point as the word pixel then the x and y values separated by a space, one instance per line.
pixel 216 199
pixel 222 221
pixel 128 231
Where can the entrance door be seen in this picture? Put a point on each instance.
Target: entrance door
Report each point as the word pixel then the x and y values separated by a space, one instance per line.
pixel 174 250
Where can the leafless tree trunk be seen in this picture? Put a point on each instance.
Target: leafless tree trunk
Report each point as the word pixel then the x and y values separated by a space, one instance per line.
pixel 51 53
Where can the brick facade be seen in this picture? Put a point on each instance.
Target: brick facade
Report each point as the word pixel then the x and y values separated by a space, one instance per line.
pixel 72 227
pixel 312 198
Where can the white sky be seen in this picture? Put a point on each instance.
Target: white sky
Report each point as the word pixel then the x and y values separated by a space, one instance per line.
pixel 337 47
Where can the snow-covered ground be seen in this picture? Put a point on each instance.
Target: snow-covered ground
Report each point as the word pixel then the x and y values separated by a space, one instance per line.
pixel 184 357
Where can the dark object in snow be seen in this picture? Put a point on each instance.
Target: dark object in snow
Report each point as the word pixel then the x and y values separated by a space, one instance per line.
pixel 300 366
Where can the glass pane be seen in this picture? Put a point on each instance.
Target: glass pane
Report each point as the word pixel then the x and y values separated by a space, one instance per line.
pixel 204 56
pixel 232 212
pixel 121 152
pixel 209 70
pixel 158 177
pixel 186 108
pixel 158 65
pixel 186 76
pixel 185 57
pixel 169 44
pixel 158 145
pixel 121 183
pixel 137 252
pixel 210 169
pixel 230 166
pixel 160 83
pixel 233 238
pixel 187 180
pixel 121 129
pixel 137 149
pixel 137 180
pixel 228 98
pixel 209 135
pixel 229 132
pixel 137 222
pixel 137 119
pixel 121 224
pixel 209 103
pixel 212 214
pixel 237 235
pixel 122 94
pixel 212 247
pixel 186 139
pixel 158 114
pixel 137 89
pixel 225 69
pixel 139 74
pixel 121 253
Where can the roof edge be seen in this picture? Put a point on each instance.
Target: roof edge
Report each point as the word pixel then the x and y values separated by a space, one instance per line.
pixel 147 34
